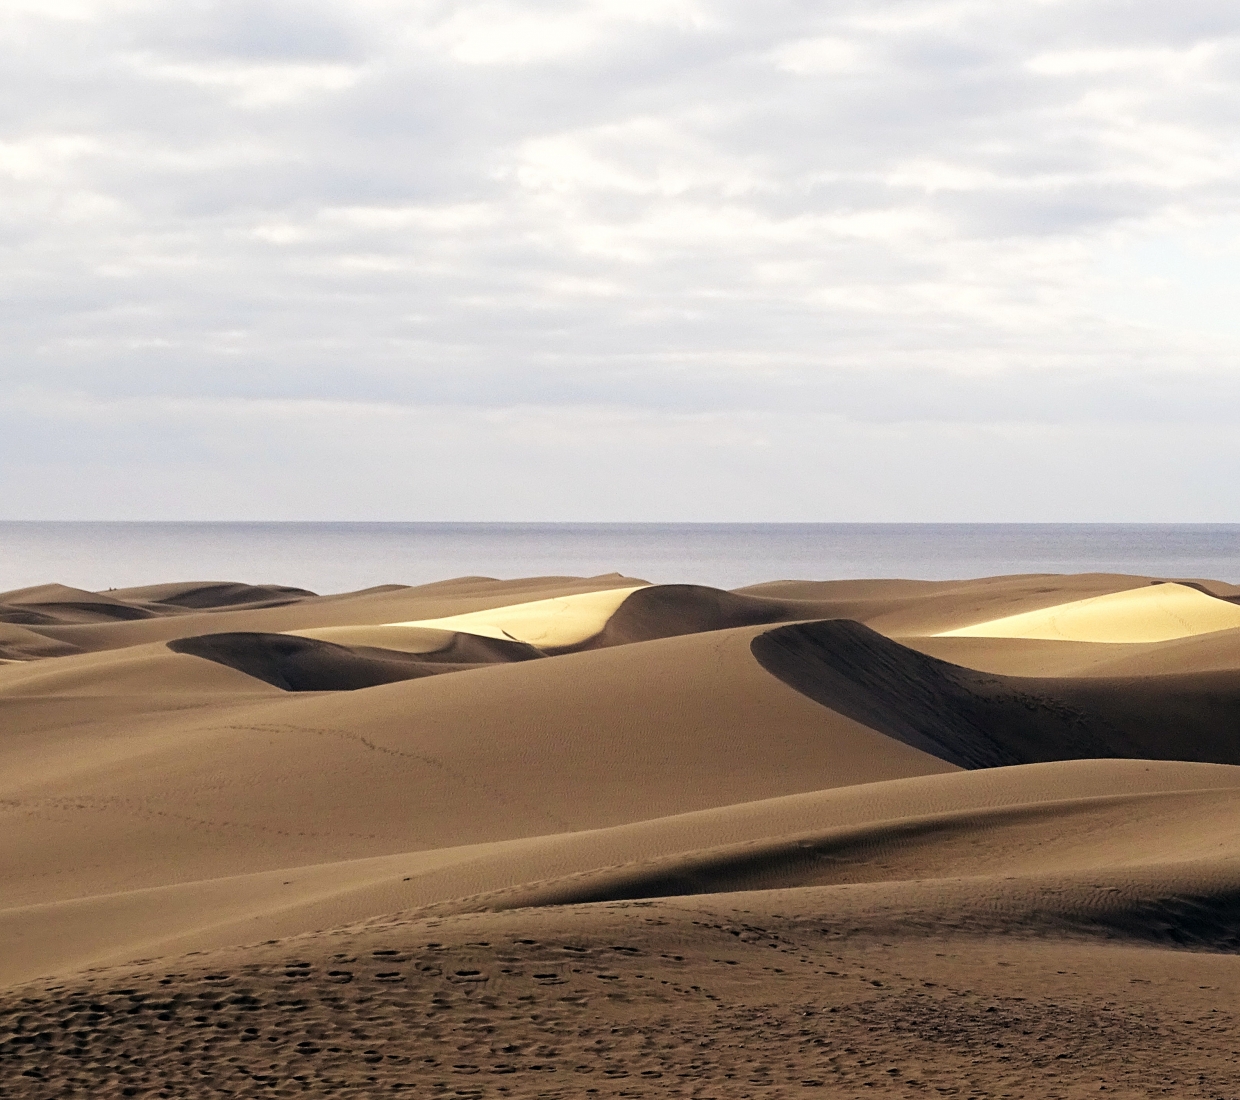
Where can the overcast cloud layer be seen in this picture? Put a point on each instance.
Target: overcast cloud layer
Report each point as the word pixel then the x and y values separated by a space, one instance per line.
pixel 878 259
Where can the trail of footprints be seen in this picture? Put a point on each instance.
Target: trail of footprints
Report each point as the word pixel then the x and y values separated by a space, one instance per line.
pixel 518 1016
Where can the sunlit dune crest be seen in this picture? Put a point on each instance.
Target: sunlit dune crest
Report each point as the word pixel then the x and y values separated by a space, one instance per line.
pixel 562 621
pixel 1158 613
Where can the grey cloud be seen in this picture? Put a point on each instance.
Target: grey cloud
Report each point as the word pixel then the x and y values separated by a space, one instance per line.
pixel 251 30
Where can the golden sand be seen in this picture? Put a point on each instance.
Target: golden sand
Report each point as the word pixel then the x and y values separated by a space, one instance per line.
pixel 549 624
pixel 1157 613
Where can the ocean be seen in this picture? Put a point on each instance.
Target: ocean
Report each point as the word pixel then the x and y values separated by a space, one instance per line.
pixel 337 557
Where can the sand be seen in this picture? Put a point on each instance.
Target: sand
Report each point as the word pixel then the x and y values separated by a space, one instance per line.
pixel 553 624
pixel 1155 614
pixel 588 836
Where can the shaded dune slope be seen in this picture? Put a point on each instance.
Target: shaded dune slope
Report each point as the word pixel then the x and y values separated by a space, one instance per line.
pixel 981 720
pixel 307 664
pixel 1144 851
pixel 20 643
pixel 1060 866
pixel 670 610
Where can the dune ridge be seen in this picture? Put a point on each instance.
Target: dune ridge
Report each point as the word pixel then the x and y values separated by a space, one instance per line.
pixel 555 623
pixel 1158 613
pixel 980 720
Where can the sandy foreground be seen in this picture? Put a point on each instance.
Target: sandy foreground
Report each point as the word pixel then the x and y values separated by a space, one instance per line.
pixel 590 837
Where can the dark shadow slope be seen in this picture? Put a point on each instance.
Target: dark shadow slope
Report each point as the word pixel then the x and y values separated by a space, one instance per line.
pixel 673 610
pixel 979 720
pixel 306 664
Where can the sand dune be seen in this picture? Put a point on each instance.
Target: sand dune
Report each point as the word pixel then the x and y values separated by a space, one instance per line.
pixel 979 720
pixel 18 643
pixel 401 639
pixel 299 662
pixel 593 620
pixel 551 624
pixel 1217 651
pixel 897 607
pixel 142 790
pixel 590 620
pixel 145 620
pixel 1154 614
pixel 212 595
pixel 564 834
pixel 665 998
pixel 169 611
pixel 1142 820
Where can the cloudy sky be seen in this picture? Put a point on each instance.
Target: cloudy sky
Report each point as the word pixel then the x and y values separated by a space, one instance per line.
pixel 620 259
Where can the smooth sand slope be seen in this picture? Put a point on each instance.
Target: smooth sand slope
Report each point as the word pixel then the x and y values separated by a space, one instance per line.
pixel 148 794
pixel 1054 820
pixel 1154 614
pixel 977 720
pixel 552 624
pixel 573 836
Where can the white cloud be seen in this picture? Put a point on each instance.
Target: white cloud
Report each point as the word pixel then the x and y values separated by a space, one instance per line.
pixel 820 55
pixel 45 158
pixel 1148 64
pixel 678 215
pixel 508 33
pixel 249 85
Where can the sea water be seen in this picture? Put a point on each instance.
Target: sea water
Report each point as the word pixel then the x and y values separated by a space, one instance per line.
pixel 337 557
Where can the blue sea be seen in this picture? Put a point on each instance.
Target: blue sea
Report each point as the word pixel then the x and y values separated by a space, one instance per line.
pixel 337 557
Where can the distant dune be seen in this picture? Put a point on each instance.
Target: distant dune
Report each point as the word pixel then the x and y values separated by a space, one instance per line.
pixel 590 836
pixel 1158 613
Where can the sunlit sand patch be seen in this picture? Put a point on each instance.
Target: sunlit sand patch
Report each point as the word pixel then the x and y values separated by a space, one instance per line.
pixel 552 623
pixel 561 621
pixel 1158 613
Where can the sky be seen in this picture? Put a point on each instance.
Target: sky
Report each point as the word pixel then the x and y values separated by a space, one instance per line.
pixel 873 260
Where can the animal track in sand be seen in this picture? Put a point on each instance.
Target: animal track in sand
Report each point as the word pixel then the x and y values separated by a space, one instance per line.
pixel 477 1018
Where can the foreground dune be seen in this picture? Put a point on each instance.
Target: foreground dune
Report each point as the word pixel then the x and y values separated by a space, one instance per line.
pixel 740 995
pixel 1010 831
pixel 566 836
